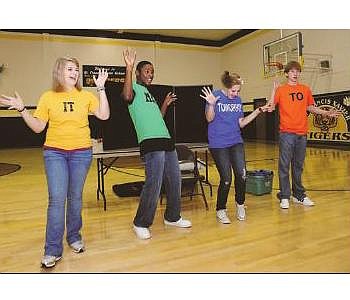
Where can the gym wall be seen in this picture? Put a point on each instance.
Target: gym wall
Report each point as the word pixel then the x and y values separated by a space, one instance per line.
pixel 30 59
pixel 245 56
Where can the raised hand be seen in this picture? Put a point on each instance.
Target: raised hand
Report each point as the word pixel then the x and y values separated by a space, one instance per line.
pixel 208 96
pixel 101 79
pixel 169 98
pixel 13 102
pixel 129 57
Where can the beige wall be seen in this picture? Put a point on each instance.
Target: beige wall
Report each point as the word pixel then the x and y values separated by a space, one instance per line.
pixel 30 58
pixel 245 57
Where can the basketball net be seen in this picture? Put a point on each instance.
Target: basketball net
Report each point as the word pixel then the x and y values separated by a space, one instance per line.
pixel 273 69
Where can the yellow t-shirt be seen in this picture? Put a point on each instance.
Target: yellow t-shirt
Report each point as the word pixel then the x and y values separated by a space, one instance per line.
pixel 67 115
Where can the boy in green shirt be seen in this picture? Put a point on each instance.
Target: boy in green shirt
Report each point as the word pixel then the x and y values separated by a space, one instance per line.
pixel 156 148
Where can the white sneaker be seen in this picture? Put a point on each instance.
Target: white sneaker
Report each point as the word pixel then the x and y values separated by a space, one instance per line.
pixel 240 212
pixel 78 246
pixel 284 203
pixel 306 201
pixel 180 223
pixel 49 261
pixel 222 217
pixel 142 233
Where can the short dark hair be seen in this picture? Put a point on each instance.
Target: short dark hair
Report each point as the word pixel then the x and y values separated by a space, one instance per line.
pixel 292 65
pixel 142 63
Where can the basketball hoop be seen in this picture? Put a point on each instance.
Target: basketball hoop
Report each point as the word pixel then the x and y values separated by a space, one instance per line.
pixel 273 69
pixel 275 64
pixel 278 53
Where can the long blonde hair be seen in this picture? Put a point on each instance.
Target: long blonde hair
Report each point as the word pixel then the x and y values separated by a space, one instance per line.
pixel 57 73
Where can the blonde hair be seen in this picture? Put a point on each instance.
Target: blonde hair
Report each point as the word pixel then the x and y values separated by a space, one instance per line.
pixel 57 73
pixel 229 80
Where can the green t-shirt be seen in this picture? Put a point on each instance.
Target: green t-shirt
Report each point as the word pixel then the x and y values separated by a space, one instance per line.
pixel 146 115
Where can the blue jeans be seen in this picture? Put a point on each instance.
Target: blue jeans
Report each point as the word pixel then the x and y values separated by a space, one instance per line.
pixel 227 159
pixel 65 173
pixel 292 149
pixel 159 166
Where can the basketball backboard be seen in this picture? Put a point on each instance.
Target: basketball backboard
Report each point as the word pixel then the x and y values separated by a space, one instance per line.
pixel 276 54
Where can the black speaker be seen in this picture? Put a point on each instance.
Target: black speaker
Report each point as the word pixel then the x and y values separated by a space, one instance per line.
pixel 129 189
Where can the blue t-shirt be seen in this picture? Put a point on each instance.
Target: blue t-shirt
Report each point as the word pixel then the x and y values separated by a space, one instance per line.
pixel 224 130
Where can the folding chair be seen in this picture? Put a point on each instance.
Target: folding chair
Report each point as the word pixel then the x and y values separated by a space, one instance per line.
pixel 190 175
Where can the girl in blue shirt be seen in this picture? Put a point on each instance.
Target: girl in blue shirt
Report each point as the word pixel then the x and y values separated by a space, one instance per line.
pixel 224 113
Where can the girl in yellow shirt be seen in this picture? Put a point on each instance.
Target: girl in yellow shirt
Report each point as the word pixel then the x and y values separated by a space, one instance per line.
pixel 67 149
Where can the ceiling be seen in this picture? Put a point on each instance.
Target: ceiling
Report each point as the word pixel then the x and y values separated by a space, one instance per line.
pixel 204 37
pixel 204 34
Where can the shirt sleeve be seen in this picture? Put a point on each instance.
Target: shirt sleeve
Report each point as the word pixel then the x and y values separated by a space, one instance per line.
pixel 42 110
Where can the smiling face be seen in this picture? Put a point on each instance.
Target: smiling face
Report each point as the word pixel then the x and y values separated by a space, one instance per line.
pixel 145 75
pixel 70 75
pixel 65 74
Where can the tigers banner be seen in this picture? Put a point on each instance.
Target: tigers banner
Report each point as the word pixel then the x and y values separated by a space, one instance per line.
pixel 333 130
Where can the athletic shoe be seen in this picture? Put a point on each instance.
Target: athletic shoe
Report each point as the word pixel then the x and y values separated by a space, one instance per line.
pixel 222 217
pixel 142 233
pixel 180 223
pixel 78 246
pixel 49 261
pixel 306 201
pixel 240 212
pixel 284 203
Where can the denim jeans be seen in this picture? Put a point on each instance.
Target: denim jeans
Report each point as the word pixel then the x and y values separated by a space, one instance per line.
pixel 65 173
pixel 292 148
pixel 227 159
pixel 159 166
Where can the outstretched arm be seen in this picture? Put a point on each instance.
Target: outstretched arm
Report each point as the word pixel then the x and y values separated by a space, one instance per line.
pixel 211 100
pixel 327 113
pixel 16 102
pixel 129 58
pixel 169 98
pixel 103 110
pixel 246 120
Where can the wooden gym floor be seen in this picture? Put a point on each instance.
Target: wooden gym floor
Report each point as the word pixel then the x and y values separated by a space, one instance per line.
pixel 300 239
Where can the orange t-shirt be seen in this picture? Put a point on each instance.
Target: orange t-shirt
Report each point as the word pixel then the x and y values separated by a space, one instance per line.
pixel 293 101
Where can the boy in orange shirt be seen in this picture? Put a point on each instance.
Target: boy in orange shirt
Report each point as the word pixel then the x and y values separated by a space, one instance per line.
pixel 294 101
